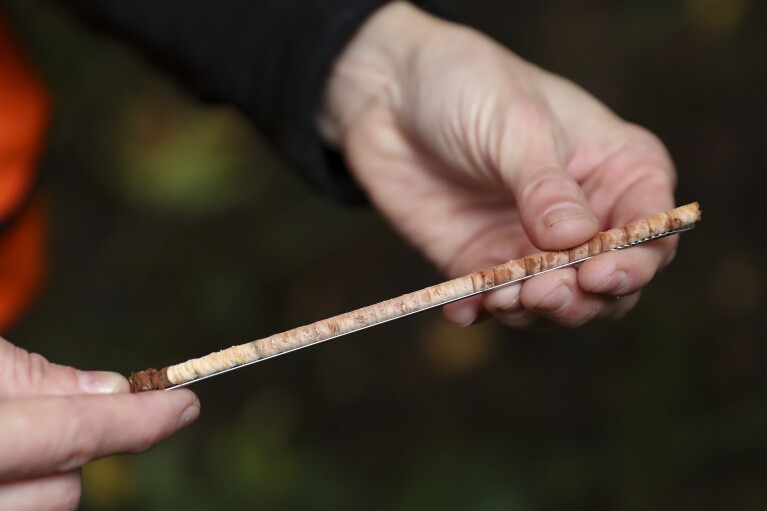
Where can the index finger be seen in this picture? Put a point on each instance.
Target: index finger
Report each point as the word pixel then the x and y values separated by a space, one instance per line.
pixel 627 271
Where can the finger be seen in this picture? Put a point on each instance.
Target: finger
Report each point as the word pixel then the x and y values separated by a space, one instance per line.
pixel 557 297
pixel 490 248
pixel 623 272
pixel 60 492
pixel 653 194
pixel 553 208
pixel 635 182
pixel 463 312
pixel 626 271
pixel 53 434
pixel 505 305
pixel 24 374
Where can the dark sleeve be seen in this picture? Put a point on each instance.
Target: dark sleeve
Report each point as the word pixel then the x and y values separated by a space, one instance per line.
pixel 269 58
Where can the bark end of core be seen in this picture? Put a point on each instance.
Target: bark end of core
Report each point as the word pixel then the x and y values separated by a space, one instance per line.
pixel 150 379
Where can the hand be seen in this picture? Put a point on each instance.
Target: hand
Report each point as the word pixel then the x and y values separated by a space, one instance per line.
pixel 478 157
pixel 54 419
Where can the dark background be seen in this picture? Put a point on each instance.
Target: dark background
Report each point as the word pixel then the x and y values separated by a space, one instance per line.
pixel 175 232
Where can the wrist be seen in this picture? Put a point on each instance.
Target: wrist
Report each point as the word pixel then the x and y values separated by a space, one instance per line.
pixel 368 70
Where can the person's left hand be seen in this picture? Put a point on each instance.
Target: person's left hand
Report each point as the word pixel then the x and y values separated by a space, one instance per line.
pixel 477 157
pixel 54 419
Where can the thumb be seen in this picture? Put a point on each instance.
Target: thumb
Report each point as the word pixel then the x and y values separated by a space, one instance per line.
pixel 24 374
pixel 553 209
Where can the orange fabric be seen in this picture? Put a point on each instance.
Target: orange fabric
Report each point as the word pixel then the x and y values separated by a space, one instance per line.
pixel 22 262
pixel 23 122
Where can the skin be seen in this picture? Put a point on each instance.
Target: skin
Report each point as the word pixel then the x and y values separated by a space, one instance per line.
pixel 56 418
pixel 476 157
pixel 473 154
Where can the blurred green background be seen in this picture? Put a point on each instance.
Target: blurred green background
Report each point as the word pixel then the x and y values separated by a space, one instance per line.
pixel 174 231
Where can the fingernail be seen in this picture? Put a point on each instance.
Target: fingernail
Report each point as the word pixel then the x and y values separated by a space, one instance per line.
pixel 467 320
pixel 190 414
pixel 555 301
pixel 504 300
pixel 618 281
pixel 462 316
pixel 102 382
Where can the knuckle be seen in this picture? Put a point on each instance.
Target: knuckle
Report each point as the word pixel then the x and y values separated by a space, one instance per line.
pixel 640 136
pixel 31 373
pixel 524 121
pixel 536 183
pixel 27 368
pixel 545 182
pixel 39 371
pixel 526 132
pixel 644 142
pixel 533 114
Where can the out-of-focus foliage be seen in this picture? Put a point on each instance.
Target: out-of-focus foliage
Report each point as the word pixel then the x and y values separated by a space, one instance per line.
pixel 174 231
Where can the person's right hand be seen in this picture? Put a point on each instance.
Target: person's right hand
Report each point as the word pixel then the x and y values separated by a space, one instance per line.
pixel 477 157
pixel 55 419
